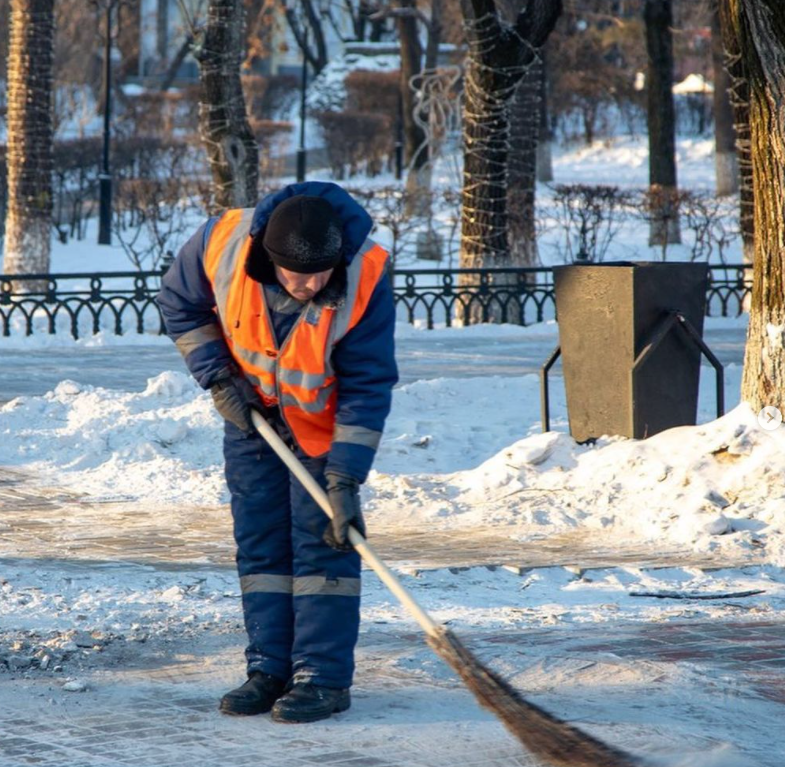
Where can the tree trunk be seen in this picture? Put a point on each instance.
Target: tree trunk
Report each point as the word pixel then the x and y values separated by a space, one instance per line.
pixel 415 150
pixel 544 153
pixel 29 127
pixel 411 65
pixel 522 168
pixel 759 26
pixel 726 167
pixel 162 32
pixel 434 36
pixel 740 101
pixel 313 45
pixel 658 17
pixel 499 55
pixel 231 148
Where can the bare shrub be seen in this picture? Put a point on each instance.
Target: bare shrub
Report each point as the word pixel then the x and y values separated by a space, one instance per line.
pixel 75 181
pixel 388 207
pixel 267 96
pixel 152 210
pixel 452 218
pixel 590 217
pixel 150 216
pixel 700 211
pixel 725 229
pixel 660 207
pixel 356 141
pixel 373 92
pixel 273 139
pixel 159 114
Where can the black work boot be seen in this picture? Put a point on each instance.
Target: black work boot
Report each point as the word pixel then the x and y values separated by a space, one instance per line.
pixel 306 702
pixel 256 696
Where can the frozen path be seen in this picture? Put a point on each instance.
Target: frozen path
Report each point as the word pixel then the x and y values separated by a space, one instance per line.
pixel 155 704
pixel 140 611
pixel 421 355
pixel 142 615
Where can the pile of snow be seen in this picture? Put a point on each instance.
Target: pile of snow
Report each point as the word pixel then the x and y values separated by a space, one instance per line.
pixel 718 484
pixel 162 444
pixel 452 458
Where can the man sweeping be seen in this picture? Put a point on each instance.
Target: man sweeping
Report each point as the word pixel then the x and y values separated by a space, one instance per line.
pixel 287 308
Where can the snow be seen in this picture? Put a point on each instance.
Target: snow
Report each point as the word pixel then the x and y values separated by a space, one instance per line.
pixel 624 161
pixel 442 463
pixel 693 83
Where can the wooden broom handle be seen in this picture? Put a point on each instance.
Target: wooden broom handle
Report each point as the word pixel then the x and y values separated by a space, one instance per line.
pixel 363 548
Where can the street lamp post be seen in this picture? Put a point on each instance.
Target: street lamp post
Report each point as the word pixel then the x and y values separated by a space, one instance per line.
pixel 301 153
pixel 105 178
pixel 398 148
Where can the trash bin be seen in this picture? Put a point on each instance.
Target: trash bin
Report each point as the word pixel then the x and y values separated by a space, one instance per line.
pixel 630 338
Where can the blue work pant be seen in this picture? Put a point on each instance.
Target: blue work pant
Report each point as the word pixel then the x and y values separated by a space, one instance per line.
pixel 301 599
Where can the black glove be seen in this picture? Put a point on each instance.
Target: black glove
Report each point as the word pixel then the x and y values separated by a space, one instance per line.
pixel 344 495
pixel 234 396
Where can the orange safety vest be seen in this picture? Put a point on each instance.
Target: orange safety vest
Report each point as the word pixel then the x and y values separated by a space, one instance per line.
pixel 298 376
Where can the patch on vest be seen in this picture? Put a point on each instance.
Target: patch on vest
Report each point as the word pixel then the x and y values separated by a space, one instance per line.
pixel 313 314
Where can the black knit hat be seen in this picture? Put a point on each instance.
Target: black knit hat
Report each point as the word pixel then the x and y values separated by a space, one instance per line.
pixel 304 234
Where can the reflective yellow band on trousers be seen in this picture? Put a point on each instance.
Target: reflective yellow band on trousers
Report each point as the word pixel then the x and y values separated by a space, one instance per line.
pixel 266 584
pixel 306 585
pixel 320 585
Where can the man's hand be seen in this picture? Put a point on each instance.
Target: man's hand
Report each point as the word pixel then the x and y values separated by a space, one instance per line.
pixel 344 495
pixel 234 396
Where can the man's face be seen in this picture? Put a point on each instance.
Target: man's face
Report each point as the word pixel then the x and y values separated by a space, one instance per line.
pixel 303 287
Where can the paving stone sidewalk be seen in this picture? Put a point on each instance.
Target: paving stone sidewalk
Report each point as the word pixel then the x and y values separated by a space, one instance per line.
pixel 159 709
pixel 626 683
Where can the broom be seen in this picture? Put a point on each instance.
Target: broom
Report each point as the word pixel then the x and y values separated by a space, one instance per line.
pixel 546 736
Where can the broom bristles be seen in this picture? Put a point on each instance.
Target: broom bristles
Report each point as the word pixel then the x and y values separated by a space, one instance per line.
pixel 544 735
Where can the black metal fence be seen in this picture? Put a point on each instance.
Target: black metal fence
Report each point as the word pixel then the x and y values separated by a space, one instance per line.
pixel 123 302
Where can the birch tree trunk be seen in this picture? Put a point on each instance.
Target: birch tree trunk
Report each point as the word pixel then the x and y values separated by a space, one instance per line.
pixel 29 151
pixel 759 26
pixel 232 151
pixel 726 166
pixel 661 117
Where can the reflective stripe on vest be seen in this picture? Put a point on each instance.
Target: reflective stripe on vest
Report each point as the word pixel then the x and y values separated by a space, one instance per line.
pixel 299 377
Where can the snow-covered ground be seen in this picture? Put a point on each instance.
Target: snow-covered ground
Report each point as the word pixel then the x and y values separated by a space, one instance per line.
pixel 450 458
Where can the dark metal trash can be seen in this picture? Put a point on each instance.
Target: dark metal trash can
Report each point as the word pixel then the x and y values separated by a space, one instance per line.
pixel 630 342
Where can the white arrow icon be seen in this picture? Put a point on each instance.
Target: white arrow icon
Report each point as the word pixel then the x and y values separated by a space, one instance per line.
pixel 769 418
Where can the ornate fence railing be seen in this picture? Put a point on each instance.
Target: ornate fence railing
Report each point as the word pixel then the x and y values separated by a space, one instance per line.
pixel 82 304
